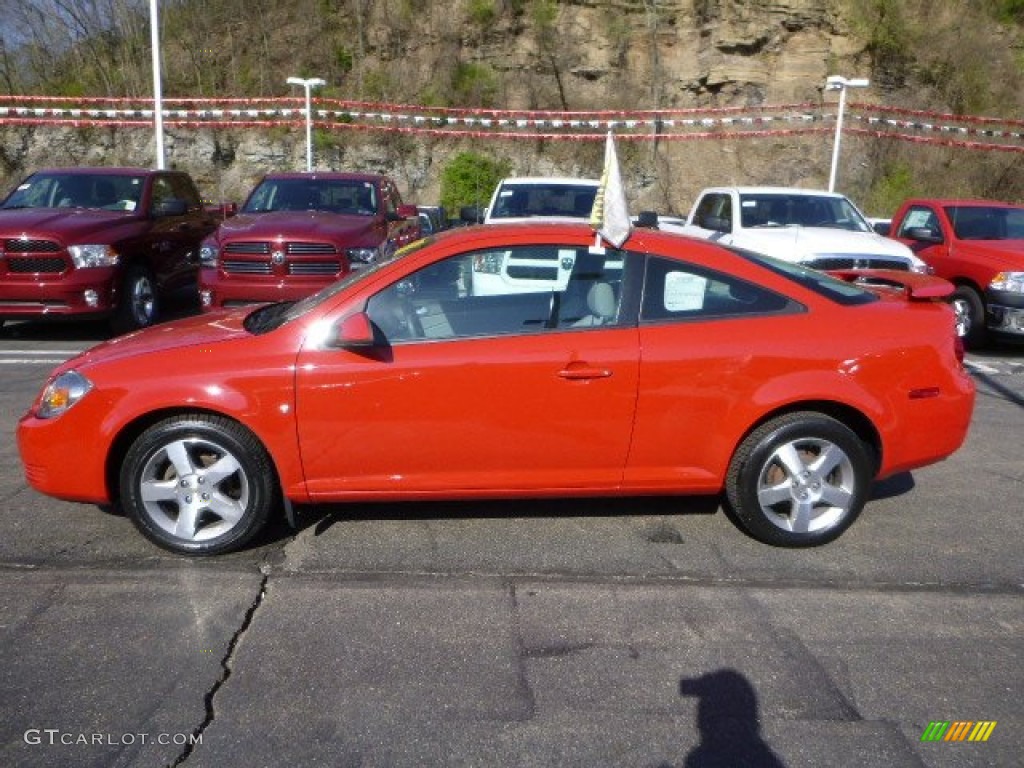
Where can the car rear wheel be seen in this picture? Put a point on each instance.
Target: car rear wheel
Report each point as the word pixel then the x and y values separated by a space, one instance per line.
pixel 970 315
pixel 799 480
pixel 137 306
pixel 198 484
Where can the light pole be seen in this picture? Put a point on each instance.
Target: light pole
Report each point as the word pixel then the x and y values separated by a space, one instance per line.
pixel 158 104
pixel 308 84
pixel 837 83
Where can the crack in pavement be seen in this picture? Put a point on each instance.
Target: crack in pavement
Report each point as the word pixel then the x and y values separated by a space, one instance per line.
pixel 225 663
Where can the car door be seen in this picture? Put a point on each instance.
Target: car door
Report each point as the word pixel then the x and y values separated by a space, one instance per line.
pixel 487 395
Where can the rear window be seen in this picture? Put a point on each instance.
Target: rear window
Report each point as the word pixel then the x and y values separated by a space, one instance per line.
pixel 527 200
pixel 839 291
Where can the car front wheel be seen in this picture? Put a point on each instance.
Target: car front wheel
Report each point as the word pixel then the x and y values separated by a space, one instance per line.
pixel 198 484
pixel 137 306
pixel 799 480
pixel 970 316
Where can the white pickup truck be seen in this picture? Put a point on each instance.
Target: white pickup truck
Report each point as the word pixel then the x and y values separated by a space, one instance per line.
pixel 821 230
pixel 541 197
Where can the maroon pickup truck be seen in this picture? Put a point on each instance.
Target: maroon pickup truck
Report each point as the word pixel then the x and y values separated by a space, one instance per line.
pixel 978 245
pixel 298 232
pixel 99 242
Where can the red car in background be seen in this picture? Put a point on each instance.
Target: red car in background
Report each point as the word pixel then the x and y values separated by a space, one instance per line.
pixel 298 232
pixel 669 366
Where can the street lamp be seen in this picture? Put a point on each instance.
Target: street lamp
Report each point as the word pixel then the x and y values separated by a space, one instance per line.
pixel 308 84
pixel 836 83
pixel 158 105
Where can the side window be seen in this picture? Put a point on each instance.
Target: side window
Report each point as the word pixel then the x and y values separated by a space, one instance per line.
pixel 919 217
pixel 714 212
pixel 162 191
pixel 674 290
pixel 527 289
pixel 185 190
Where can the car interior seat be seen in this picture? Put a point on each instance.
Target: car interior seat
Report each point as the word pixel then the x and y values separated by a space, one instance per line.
pixel 600 304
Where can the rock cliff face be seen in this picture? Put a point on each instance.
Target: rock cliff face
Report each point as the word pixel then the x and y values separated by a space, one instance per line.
pixel 565 56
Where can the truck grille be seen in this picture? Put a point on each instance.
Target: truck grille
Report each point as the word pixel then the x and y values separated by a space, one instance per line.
pixel 854 261
pixel 298 267
pixel 20 245
pixel 37 265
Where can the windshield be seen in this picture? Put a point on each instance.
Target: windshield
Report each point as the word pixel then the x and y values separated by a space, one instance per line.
pixel 978 222
pixel 271 316
pixel 78 190
pixel 523 200
pixel 773 209
pixel 821 283
pixel 350 196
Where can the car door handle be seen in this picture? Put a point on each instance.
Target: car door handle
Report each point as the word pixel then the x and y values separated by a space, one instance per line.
pixel 575 372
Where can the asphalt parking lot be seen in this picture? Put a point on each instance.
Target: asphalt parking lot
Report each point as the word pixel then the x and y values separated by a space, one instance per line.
pixel 629 632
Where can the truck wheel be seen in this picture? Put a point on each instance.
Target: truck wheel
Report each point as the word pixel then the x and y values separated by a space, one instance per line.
pixel 799 480
pixel 970 316
pixel 198 484
pixel 137 304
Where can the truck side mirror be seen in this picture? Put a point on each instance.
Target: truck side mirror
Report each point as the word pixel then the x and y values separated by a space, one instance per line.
pixel 922 234
pixel 471 214
pixel 172 206
pixel 716 223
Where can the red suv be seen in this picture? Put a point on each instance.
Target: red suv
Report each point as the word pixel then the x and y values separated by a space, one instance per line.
pixel 298 232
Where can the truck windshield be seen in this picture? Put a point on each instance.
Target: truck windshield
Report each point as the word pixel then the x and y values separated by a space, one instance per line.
pixel 111 192
pixel 763 209
pixel 543 199
pixel 352 196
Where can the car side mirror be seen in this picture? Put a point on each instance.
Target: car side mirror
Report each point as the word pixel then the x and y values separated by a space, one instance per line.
pixel 922 234
pixel 408 211
pixel 355 332
pixel 471 214
pixel 172 206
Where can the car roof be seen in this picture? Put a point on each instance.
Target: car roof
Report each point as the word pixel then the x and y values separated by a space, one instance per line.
pixel 102 170
pixel 325 175
pixel 538 180
pixel 975 202
pixel 776 191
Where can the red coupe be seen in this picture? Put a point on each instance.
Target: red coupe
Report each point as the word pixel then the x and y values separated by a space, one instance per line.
pixel 669 366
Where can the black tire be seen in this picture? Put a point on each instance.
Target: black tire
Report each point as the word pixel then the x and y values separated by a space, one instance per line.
pixel 137 305
pixel 198 485
pixel 799 480
pixel 970 316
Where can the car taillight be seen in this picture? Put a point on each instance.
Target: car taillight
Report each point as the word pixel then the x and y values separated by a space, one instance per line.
pixel 958 349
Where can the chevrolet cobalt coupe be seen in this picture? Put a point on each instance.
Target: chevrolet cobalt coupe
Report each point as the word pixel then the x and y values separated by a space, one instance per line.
pixel 669 366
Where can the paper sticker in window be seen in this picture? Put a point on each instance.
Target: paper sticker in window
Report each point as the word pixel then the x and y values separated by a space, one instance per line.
pixel 684 291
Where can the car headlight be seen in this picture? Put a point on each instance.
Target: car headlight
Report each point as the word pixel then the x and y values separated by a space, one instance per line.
pixel 62 393
pixel 86 256
pixel 1011 282
pixel 924 269
pixel 209 253
pixel 359 256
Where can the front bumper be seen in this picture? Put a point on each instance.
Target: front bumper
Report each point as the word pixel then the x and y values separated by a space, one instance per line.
pixel 78 292
pixel 1005 314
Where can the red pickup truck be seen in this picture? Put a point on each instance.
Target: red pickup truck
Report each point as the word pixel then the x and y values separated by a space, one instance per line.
pixel 298 232
pixel 99 242
pixel 977 245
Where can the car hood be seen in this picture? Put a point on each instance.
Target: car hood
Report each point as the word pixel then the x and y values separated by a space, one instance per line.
pixel 306 225
pixel 62 223
pixel 806 243
pixel 196 331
